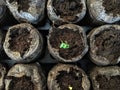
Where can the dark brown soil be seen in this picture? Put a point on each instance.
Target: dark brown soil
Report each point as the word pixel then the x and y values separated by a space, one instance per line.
pixel 108 43
pixel 112 6
pixel 71 79
pixel 67 9
pixel 108 83
pixel 20 40
pixel 73 38
pixel 22 4
pixel 22 83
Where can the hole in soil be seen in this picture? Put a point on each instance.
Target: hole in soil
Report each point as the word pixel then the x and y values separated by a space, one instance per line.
pixel 22 4
pixel 73 38
pixel 108 83
pixel 108 44
pixel 72 79
pixel 22 83
pixel 67 9
pixel 112 6
pixel 20 40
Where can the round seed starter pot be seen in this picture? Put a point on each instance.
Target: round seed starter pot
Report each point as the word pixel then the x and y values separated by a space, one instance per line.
pixel 2 76
pixel 104 11
pixel 67 77
pixel 105 78
pixel 104 45
pixel 67 43
pixel 66 11
pixel 23 43
pixel 27 10
pixel 25 77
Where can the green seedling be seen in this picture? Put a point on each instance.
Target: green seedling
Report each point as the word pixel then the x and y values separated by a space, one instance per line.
pixel 70 88
pixel 64 45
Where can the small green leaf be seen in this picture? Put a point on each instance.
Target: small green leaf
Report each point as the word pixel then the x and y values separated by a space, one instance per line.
pixel 64 45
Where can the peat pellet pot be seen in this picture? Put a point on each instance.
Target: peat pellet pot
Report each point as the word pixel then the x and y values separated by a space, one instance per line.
pixel 104 11
pixel 23 43
pixel 105 45
pixel 2 76
pixel 67 43
pixel 25 77
pixel 67 77
pixel 27 10
pixel 105 78
pixel 66 11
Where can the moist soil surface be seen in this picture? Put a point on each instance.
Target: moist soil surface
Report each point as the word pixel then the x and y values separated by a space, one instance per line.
pixel 22 4
pixel 108 44
pixel 22 83
pixel 112 6
pixel 67 9
pixel 108 83
pixel 20 40
pixel 70 79
pixel 73 38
